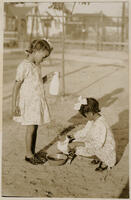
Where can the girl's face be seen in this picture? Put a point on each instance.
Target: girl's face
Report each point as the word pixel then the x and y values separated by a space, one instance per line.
pixel 40 55
pixel 89 116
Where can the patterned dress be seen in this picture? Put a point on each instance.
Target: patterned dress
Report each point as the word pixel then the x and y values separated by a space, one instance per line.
pixel 32 102
pixel 99 141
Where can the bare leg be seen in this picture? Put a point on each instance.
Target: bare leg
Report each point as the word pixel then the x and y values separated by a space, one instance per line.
pixel 30 139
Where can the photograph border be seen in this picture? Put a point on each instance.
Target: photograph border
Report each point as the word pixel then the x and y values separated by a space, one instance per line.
pixel 1 83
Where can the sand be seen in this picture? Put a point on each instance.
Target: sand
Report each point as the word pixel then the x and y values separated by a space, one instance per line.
pixel 98 74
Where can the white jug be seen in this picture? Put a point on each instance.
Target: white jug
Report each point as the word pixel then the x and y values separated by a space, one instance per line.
pixel 54 85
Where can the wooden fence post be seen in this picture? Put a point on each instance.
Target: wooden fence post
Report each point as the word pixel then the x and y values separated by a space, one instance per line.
pixel 97 36
pixel 102 30
pixel 123 24
pixel 63 47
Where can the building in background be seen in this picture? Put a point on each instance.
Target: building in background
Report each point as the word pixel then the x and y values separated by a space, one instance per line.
pixel 82 25
pixel 23 22
pixel 88 24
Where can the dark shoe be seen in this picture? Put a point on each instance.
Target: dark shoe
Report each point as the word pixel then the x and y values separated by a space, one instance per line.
pixel 71 155
pixel 33 160
pixel 71 152
pixel 42 156
pixel 95 162
pixel 100 168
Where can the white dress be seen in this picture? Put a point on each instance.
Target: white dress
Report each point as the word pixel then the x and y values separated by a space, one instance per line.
pixel 63 145
pixel 32 102
pixel 99 141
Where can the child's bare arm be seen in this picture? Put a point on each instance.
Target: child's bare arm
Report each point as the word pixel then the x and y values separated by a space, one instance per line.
pixel 76 144
pixel 15 95
pixel 48 77
pixel 44 78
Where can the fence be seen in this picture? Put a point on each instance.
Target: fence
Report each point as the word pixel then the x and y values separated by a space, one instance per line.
pixel 91 31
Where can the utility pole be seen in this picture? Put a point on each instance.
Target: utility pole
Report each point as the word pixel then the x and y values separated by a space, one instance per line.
pixel 32 24
pixel 123 23
pixel 63 46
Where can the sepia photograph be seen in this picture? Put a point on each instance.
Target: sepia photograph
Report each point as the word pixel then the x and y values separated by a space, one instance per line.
pixel 65 101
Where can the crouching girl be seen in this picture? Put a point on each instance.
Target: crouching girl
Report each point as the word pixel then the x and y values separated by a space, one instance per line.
pixel 95 140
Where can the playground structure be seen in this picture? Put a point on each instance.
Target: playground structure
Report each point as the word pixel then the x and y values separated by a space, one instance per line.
pixel 23 23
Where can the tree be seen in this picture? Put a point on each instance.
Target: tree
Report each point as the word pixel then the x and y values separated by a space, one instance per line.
pixel 60 6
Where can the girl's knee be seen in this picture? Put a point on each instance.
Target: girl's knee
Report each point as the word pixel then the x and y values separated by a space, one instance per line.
pixel 30 128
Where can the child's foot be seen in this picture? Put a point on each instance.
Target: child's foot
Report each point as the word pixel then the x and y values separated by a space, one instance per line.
pixel 101 167
pixel 42 156
pixel 71 157
pixel 95 161
pixel 33 160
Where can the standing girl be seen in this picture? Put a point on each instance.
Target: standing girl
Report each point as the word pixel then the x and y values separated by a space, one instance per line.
pixel 29 104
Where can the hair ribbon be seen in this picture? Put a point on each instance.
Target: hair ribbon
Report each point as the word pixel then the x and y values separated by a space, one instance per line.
pixel 47 40
pixel 80 102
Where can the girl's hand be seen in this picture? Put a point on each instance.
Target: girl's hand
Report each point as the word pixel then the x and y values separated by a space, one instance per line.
pixel 72 145
pixel 16 111
pixel 70 136
pixel 44 79
pixel 50 75
pixel 61 137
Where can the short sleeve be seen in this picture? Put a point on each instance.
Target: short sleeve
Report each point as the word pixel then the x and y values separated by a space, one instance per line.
pixel 21 72
pixel 78 135
pixel 83 133
pixel 97 136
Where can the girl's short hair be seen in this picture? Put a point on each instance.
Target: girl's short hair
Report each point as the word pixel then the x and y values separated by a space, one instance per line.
pixel 38 45
pixel 92 106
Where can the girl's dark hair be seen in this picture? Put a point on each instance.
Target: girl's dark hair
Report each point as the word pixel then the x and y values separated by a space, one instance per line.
pixel 92 106
pixel 38 45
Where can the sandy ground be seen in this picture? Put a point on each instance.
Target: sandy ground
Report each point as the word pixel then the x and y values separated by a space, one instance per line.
pixel 102 75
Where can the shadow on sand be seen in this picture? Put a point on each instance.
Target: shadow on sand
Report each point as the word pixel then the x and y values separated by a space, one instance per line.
pixel 125 192
pixel 109 98
pixel 121 133
pixel 95 82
